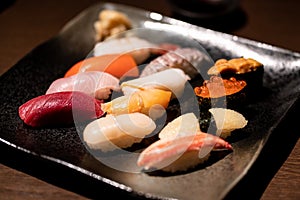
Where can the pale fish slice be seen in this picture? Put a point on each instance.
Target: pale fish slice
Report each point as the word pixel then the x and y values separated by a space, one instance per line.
pixel 186 124
pixel 227 120
pixel 94 83
pixel 173 80
pixel 140 49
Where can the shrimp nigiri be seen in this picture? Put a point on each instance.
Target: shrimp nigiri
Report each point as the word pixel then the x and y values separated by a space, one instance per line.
pixel 97 84
pixel 180 153
pixel 112 132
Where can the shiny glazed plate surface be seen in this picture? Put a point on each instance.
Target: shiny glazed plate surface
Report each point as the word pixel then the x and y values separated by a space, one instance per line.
pixel 33 74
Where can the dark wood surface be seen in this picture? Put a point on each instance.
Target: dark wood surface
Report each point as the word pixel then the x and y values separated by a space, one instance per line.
pixel 27 23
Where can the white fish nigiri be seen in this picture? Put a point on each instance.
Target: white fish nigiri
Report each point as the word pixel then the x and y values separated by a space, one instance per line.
pixel 186 124
pixel 227 120
pixel 171 80
pixel 98 84
pixel 140 49
pixel 121 131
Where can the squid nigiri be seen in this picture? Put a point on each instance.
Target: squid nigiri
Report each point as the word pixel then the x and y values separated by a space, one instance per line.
pixel 190 60
pixel 58 108
pixel 112 132
pixel 97 84
pixel 173 80
pixel 139 48
pixel 180 153
pixel 151 102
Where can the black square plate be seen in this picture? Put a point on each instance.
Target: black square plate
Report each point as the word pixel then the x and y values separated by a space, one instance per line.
pixel 33 74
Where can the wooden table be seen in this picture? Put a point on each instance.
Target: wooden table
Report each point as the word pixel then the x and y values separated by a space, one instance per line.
pixel 25 24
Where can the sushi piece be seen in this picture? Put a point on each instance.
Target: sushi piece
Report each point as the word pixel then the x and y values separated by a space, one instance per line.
pixel 246 69
pixel 97 84
pixel 163 48
pixel 118 65
pixel 190 60
pixel 180 153
pixel 138 48
pixel 57 109
pixel 113 132
pixel 173 80
pixel 186 124
pixel 221 92
pixel 151 102
pixel 218 87
pixel 227 120
pixel 111 22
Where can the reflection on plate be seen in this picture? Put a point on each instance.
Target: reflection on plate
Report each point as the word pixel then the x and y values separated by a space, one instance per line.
pixel 32 75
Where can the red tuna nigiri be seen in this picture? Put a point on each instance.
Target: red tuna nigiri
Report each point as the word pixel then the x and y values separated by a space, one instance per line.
pixel 58 109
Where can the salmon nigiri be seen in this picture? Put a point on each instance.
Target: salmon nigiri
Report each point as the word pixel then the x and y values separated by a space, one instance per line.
pixel 94 83
pixel 118 65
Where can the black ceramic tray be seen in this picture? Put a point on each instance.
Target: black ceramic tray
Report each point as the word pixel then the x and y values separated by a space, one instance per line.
pixel 32 75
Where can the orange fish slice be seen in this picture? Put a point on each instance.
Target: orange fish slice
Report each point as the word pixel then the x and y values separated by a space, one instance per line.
pixel 118 65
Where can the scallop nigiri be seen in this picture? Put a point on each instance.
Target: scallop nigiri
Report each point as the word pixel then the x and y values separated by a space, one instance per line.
pixel 180 153
pixel 112 132
pixel 190 60
pixel 173 80
pixel 139 48
pixel 97 84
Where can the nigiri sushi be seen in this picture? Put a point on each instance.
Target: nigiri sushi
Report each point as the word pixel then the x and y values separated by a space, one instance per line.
pixel 221 92
pixel 112 132
pixel 227 120
pixel 180 153
pixel 186 124
pixel 173 80
pixel 57 109
pixel 247 69
pixel 190 60
pixel 151 102
pixel 94 83
pixel 139 48
pixel 118 65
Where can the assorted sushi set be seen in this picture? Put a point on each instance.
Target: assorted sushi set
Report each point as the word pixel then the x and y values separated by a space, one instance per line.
pixel 129 84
